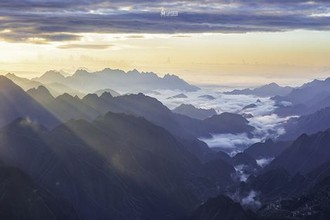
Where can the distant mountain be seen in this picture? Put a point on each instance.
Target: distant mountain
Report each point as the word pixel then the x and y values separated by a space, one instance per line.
pixel 178 96
pixel 55 89
pixel 306 99
pixel 193 112
pixel 51 76
pixel 308 92
pixel 268 90
pixel 221 208
pixel 249 106
pixel 306 153
pixel 118 80
pixel 267 149
pixel 207 97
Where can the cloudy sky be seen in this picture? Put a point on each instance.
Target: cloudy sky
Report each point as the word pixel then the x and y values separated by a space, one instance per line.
pixel 206 41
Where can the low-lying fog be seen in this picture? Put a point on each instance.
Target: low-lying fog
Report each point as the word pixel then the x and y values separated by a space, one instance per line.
pixel 267 124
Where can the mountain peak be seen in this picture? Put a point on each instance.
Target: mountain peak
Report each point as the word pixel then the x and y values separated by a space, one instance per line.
pixel 273 84
pixel 171 76
pixel 50 76
pixel 134 71
pixel 42 89
pixel 8 75
pixel 81 72
pixel 106 95
pixel 40 92
pixel 52 73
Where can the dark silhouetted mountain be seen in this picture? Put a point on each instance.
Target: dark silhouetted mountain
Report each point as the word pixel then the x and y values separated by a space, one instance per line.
pixel 157 113
pixel 41 94
pixel 193 112
pixel 319 173
pixel 22 199
pixel 249 106
pixel 306 153
pixel 200 149
pixel 220 171
pixel 63 107
pixel 118 167
pixel 245 159
pixel 66 107
pixel 284 197
pixel 312 205
pixel 228 123
pixel 217 155
pixel 268 90
pixel 274 185
pixel 266 181
pixel 178 96
pixel 208 97
pixel 279 184
pixel 186 129
pixel 132 81
pixel 308 124
pixel 16 103
pixel 112 92
pixel 221 208
pixel 267 149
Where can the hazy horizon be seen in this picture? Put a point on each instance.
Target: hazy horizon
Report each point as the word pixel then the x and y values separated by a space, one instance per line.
pixel 207 42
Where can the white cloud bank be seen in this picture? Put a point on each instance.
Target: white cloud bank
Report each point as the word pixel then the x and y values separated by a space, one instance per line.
pixel 267 124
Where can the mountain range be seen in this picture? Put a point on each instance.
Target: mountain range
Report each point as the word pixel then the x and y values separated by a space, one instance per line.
pixel 118 80
pixel 268 90
pixel 118 167
pixel 306 99
pixel 104 156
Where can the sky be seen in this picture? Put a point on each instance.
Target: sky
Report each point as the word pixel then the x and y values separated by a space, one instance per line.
pixel 237 42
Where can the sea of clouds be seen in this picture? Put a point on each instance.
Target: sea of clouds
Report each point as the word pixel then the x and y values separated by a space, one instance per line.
pixel 266 123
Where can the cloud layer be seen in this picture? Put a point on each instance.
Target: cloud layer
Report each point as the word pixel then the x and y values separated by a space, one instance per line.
pixel 266 123
pixel 62 20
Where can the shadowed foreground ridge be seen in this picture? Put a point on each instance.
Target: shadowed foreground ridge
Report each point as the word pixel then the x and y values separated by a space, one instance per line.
pixel 118 167
pixel 221 208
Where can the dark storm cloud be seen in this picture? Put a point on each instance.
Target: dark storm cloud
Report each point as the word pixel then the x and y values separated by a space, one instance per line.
pixel 64 20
